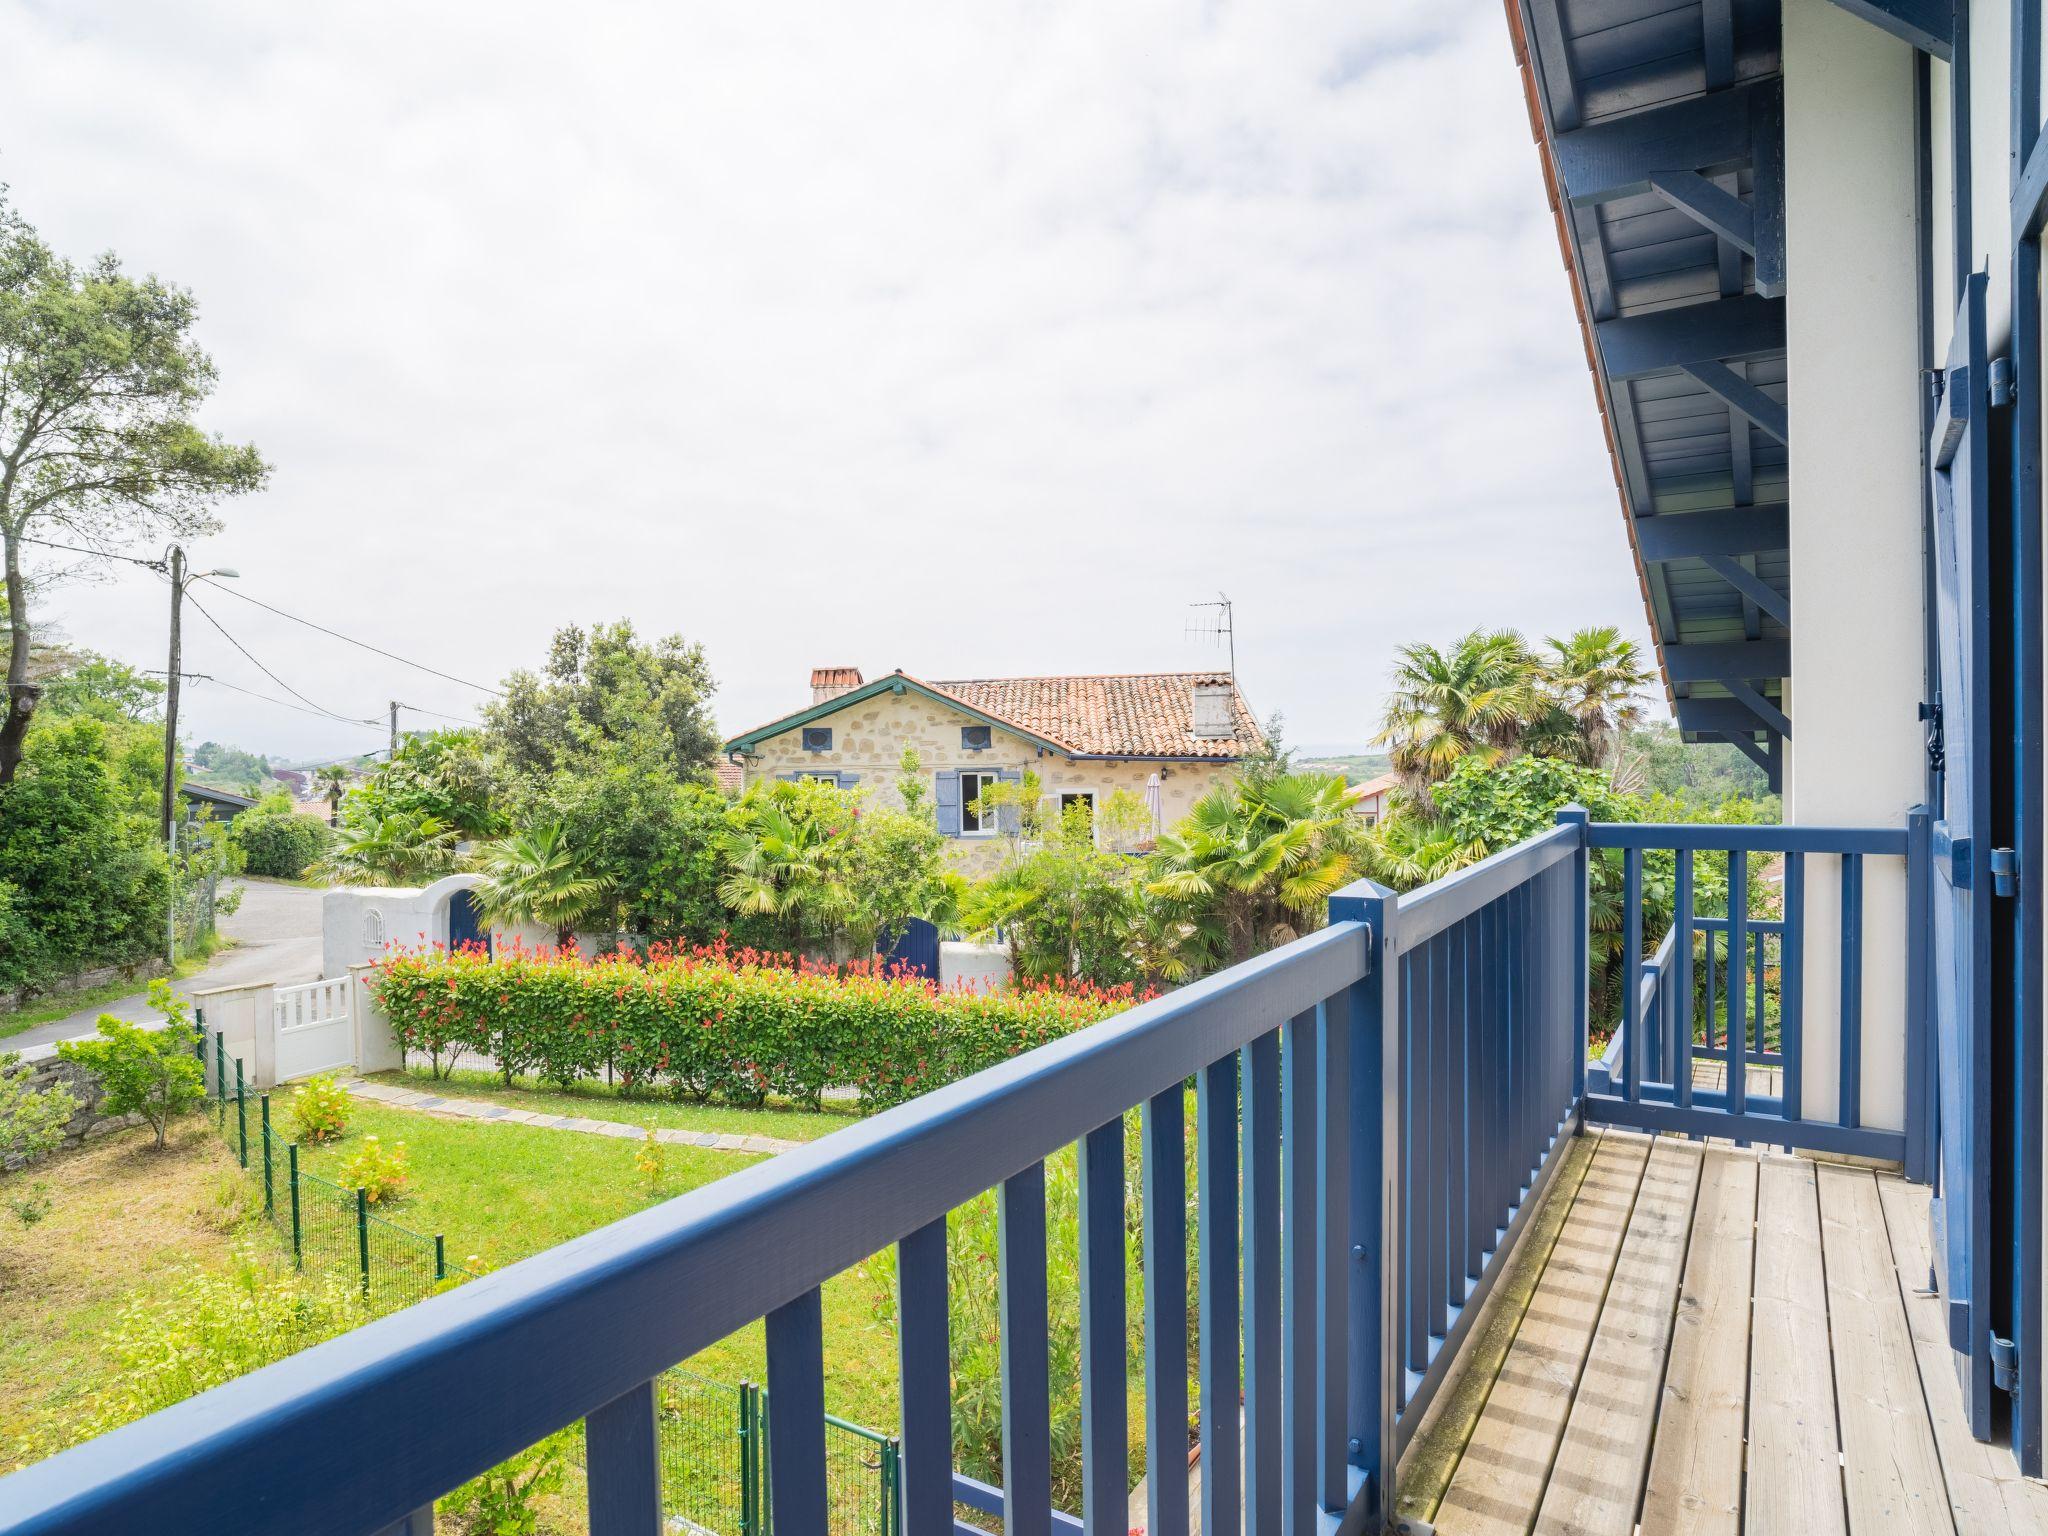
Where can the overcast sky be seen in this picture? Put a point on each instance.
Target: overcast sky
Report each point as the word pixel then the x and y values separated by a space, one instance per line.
pixel 975 339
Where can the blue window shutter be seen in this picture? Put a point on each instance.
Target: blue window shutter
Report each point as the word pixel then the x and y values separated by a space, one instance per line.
pixel 946 798
pixel 1009 817
pixel 848 780
pixel 790 778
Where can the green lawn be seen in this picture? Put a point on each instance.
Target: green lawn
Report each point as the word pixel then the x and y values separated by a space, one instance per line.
pixel 602 1101
pixel 503 1192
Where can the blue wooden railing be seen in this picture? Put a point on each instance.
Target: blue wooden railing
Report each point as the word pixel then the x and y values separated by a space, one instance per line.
pixel 1709 1001
pixel 1378 1107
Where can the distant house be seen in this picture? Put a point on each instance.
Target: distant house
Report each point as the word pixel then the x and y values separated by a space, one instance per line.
pixel 202 800
pixel 1369 799
pixel 1165 737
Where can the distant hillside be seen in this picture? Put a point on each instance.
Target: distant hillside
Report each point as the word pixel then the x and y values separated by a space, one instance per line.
pixel 1356 767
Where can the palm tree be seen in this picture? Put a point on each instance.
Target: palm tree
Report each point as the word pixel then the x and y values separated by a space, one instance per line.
pixel 1473 700
pixel 782 862
pixel 1251 866
pixel 538 876
pixel 1594 679
pixel 333 783
pixel 392 848
pixel 1406 849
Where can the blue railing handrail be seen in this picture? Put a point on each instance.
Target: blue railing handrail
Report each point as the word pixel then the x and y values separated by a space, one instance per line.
pixel 498 1364
pixel 1720 837
pixel 1429 911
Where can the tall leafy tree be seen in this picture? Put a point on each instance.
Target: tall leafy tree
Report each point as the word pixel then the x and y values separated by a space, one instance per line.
pixel 604 689
pixel 1472 700
pixel 99 381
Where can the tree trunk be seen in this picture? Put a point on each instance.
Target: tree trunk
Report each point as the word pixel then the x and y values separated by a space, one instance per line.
pixel 22 695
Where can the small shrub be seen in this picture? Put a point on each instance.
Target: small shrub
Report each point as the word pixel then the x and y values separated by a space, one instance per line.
pixel 320 1107
pixel 380 1172
pixel 146 1072
pixel 33 1206
pixel 31 1123
pixel 652 1161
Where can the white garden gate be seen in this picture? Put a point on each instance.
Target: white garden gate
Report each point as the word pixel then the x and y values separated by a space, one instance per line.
pixel 313 1026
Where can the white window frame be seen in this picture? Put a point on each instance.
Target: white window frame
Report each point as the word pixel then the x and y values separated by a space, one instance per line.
pixel 982 776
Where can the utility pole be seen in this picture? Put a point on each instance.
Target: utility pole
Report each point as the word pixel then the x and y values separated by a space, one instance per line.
pixel 174 561
pixel 394 730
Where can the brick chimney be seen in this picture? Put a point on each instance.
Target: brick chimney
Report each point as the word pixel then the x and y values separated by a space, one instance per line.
pixel 830 682
pixel 1214 709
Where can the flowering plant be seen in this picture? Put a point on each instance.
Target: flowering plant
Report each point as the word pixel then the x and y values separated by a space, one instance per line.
pixel 714 1021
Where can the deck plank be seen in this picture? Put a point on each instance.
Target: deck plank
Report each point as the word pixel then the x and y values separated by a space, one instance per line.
pixel 1986 1494
pixel 1794 1481
pixel 1597 1480
pixel 1891 1472
pixel 1695 1481
pixel 1506 1464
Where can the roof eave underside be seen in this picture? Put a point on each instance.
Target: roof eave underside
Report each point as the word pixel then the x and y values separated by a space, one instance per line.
pixel 1660 126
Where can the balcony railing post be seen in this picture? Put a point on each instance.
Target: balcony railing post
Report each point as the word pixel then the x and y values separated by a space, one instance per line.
pixel 1372 1405
pixel 1580 817
pixel 1922 1066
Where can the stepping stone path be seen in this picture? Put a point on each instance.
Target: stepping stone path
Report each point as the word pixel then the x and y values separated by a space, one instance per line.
pixel 478 1109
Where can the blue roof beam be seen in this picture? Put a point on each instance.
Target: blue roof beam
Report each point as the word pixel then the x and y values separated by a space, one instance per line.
pixel 1673 150
pixel 1718 661
pixel 1751 586
pixel 1768 715
pixel 1714 210
pixel 1554 63
pixel 1928 25
pixel 1754 530
pixel 1718 717
pixel 1635 346
pixel 1742 397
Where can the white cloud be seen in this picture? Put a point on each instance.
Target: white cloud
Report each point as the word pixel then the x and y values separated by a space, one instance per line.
pixel 968 339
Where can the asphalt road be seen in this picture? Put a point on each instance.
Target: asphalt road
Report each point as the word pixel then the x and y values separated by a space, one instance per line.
pixel 276 938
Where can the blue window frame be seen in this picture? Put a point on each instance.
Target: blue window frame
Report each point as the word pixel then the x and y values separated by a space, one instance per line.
pixel 817 738
pixel 975 738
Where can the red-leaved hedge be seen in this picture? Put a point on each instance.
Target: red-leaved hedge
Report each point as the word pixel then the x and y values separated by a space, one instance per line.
pixel 714 1022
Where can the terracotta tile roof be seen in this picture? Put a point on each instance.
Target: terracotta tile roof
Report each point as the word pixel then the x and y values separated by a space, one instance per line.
pixel 1371 787
pixel 835 677
pixel 1139 714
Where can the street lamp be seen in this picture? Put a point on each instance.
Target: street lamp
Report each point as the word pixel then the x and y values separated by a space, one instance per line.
pixel 174 566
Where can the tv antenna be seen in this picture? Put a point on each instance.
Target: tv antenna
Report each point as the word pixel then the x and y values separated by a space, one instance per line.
pixel 1215 625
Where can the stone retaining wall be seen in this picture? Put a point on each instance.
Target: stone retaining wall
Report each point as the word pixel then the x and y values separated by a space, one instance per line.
pixel 45 1071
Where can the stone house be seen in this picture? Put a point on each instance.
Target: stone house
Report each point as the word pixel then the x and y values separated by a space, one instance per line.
pixel 1165 737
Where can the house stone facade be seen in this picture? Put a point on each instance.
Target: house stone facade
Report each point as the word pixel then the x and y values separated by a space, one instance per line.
pixel 855 732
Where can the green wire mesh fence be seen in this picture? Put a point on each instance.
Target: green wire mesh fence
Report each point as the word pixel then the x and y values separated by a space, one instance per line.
pixel 714 1437
pixel 331 1228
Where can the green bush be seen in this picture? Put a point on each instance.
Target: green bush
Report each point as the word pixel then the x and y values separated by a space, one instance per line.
pixel 281 845
pixel 31 1123
pixel 89 881
pixel 738 1025
pixel 320 1108
pixel 148 1072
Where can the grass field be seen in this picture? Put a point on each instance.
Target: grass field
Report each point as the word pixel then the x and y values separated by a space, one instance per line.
pixel 122 1218
pixel 601 1101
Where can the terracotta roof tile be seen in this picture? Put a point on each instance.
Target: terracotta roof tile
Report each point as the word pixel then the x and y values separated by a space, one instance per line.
pixel 1140 714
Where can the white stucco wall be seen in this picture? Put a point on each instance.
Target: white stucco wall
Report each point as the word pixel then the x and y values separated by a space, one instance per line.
pixel 358 922
pixel 1855 756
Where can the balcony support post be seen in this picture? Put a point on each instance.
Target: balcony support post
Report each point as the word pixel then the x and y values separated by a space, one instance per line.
pixel 1372 1408
pixel 1578 816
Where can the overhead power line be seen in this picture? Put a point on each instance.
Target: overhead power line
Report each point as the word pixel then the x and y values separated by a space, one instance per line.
pixel 207 677
pixel 97 554
pixel 315 705
pixel 366 645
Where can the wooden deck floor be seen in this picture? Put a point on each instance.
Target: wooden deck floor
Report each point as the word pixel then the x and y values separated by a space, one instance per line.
pixel 1700 1339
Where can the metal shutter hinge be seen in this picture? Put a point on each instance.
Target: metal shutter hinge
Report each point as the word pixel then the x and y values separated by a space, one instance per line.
pixel 2005 872
pixel 2005 1364
pixel 2004 387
